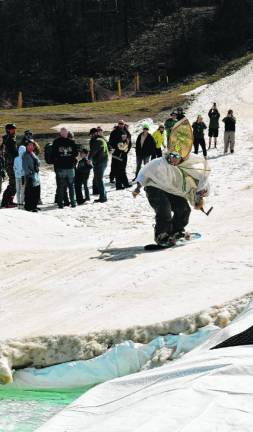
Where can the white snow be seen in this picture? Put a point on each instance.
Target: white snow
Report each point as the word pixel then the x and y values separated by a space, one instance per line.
pixel 58 277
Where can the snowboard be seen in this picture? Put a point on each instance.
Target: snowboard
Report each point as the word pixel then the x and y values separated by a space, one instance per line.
pixel 180 242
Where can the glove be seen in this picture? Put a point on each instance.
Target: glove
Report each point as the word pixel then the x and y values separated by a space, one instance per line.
pixel 136 192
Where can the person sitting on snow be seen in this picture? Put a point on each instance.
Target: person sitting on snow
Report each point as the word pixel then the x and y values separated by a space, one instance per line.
pixel 171 183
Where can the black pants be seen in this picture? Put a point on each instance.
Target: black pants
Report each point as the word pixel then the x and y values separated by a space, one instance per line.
pixel 32 195
pixel 81 182
pixel 159 152
pixel 164 204
pixel 120 174
pixel 112 174
pixel 200 142
pixel 10 191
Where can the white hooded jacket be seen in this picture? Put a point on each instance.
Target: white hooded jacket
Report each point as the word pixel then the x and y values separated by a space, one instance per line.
pixel 183 180
pixel 18 163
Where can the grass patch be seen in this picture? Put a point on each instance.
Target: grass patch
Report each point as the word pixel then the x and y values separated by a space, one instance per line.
pixel 42 119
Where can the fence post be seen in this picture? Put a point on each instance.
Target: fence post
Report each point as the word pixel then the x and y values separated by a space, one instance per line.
pixel 119 88
pixel 92 90
pixel 20 100
pixel 137 82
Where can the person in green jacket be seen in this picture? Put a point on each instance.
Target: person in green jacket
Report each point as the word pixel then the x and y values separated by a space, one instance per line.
pixel 159 137
pixel 169 124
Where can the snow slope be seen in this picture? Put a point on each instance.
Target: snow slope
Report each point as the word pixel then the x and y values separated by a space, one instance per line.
pixel 56 280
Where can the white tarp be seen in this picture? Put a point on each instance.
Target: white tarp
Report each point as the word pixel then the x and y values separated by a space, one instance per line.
pixel 123 359
pixel 207 390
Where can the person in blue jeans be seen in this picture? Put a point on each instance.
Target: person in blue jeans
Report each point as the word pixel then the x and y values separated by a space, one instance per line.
pixel 64 154
pixel 99 156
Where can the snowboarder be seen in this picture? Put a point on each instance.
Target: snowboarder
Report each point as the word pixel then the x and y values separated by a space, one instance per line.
pixel 159 137
pixel 170 183
pixel 229 134
pixel 198 133
pixel 9 152
pixel 213 131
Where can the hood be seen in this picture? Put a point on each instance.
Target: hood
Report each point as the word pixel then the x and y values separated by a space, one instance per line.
pixel 21 150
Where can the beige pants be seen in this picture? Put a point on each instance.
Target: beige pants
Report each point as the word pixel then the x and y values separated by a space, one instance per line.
pixel 229 141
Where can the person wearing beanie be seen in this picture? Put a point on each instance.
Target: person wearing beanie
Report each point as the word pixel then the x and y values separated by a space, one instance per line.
pixel 20 176
pixel 145 148
pixel 9 153
pixel 159 137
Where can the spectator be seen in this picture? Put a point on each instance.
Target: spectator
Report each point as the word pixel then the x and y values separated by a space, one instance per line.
pixel 229 134
pixel 31 165
pixel 115 138
pixel 169 124
pixel 180 113
pixel 9 153
pixel 83 169
pixel 213 131
pixel 145 148
pixel 64 153
pixel 99 157
pixel 159 137
pixel 20 176
pixel 120 162
pixel 198 133
pixel 2 166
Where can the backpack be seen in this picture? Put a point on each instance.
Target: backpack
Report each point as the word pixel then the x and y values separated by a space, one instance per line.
pixel 48 153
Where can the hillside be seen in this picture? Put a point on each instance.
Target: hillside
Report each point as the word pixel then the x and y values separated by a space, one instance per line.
pixel 50 49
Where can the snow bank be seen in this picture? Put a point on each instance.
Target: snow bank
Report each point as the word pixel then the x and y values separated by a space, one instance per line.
pixel 44 351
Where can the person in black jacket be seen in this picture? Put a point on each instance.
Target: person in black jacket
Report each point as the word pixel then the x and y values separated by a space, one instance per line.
pixel 64 153
pixel 145 148
pixel 198 133
pixel 99 156
pixel 213 131
pixel 9 153
pixel 115 138
pixel 83 169
pixel 119 157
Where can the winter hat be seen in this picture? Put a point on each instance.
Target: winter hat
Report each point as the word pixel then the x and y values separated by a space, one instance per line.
pixel 145 126
pixel 10 126
pixel 93 131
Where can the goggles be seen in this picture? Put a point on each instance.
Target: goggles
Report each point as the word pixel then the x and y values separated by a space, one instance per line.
pixel 175 156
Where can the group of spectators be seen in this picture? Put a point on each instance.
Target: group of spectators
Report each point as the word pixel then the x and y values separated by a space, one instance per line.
pixel 199 127
pixel 73 166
